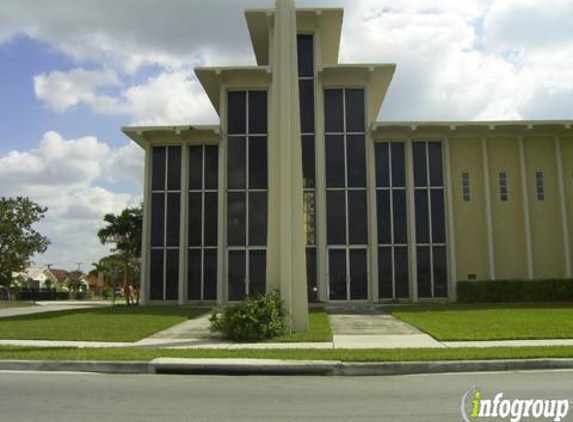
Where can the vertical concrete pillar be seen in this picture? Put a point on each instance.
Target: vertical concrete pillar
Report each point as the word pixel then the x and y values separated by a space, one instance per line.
pixel 410 204
pixel 146 227
pixel 488 210
pixel 286 260
pixel 526 214
pixel 451 245
pixel 221 196
pixel 372 220
pixel 563 207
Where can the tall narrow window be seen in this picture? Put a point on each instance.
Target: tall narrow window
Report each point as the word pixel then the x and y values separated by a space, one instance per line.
pixel 430 219
pixel 393 279
pixel 346 203
pixel 465 187
pixel 202 223
pixel 165 222
pixel 539 185
pixel 305 49
pixel 503 194
pixel 247 187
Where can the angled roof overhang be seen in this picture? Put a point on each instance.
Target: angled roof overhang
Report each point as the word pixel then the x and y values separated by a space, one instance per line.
pixel 212 78
pixel 145 135
pixel 472 129
pixel 326 21
pixel 375 77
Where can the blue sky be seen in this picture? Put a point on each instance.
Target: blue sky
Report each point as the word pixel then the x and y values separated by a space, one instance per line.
pixel 73 72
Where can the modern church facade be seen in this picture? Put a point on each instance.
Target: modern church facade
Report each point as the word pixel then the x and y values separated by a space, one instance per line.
pixel 301 190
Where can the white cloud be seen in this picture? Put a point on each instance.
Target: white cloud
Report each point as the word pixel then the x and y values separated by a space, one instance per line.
pixel 62 90
pixel 67 177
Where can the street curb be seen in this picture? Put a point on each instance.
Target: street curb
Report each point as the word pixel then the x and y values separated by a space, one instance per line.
pixel 283 367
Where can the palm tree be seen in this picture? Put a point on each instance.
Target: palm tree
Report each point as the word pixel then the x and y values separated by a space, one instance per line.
pixel 124 230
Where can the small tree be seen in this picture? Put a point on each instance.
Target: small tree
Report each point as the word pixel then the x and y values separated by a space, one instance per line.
pixel 19 242
pixel 124 230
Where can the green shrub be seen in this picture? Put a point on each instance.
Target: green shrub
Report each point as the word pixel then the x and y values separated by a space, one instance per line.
pixel 255 318
pixel 492 291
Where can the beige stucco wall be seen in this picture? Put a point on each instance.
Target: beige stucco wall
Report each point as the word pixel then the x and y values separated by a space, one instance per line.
pixel 469 217
pixel 546 228
pixel 508 218
pixel 567 163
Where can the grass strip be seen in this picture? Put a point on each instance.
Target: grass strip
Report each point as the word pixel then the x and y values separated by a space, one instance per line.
pixel 370 355
pixel 318 330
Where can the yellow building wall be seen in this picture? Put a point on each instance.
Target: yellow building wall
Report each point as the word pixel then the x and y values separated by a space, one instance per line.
pixel 507 216
pixel 470 228
pixel 546 228
pixel 567 163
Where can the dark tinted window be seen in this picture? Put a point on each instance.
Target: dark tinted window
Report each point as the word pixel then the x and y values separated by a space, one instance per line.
pixel 401 272
pixel 398 165
pixel 157 219
pixel 195 220
pixel 356 153
pixel 305 55
pixel 308 161
pixel 306 93
pixel 257 272
pixel 333 110
pixel 156 275
pixel 438 217
pixel 236 218
pixel 258 162
pixel 210 275
pixel 422 229
pixel 211 167
pixel 399 202
pixel 173 218
pixel 311 281
pixel 358 274
pixel 435 158
pixel 383 217
pixel 424 271
pixel 357 218
pixel 420 169
pixel 158 166
pixel 236 163
pixel 440 272
pixel 210 224
pixel 171 274
pixel 382 164
pixel 337 274
pixel 257 218
pixel 174 169
pixel 335 161
pixel 237 112
pixel 385 273
pixel 194 274
pixel 237 275
pixel 355 110
pixel 336 217
pixel 258 112
pixel 196 167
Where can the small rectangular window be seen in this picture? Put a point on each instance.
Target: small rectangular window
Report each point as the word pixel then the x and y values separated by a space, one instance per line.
pixel 503 186
pixel 539 186
pixel 466 187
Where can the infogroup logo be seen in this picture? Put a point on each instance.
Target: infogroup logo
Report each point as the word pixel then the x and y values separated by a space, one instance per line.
pixel 475 406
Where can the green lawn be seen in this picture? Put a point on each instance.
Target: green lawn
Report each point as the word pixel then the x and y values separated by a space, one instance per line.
pixel 119 323
pixel 450 322
pixel 369 355
pixel 318 329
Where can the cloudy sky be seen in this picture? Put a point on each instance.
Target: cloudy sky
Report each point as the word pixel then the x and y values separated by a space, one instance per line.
pixel 73 71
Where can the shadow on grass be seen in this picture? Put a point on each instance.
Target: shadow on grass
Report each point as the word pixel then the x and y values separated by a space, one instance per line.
pixel 446 307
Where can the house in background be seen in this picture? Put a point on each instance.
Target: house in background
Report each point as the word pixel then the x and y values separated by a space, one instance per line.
pixel 299 188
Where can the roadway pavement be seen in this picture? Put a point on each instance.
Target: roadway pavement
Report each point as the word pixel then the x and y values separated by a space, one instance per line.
pixel 67 397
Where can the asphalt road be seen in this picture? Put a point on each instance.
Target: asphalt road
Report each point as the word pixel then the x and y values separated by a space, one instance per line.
pixel 76 397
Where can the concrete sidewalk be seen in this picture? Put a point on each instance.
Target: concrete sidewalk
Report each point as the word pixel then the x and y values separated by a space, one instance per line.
pixel 51 306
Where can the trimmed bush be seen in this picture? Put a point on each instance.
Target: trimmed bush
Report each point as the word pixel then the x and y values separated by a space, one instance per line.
pixel 255 318
pixel 493 291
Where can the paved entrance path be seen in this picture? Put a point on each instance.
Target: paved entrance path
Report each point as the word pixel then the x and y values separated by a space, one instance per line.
pixel 369 327
pixel 51 306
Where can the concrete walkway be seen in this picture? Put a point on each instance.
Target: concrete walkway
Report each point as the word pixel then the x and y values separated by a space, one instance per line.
pixel 50 306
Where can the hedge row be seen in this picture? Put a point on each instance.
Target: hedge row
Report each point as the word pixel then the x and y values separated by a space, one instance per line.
pixel 515 291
